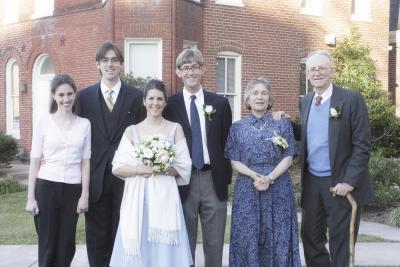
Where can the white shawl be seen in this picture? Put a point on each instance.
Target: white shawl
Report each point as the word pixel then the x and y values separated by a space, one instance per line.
pixel 163 196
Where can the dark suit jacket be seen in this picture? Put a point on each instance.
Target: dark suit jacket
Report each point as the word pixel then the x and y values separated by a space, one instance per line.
pixel 217 132
pixel 349 142
pixel 129 106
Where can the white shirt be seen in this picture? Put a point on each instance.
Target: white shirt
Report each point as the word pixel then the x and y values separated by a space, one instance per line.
pixel 62 151
pixel 116 88
pixel 325 95
pixel 199 104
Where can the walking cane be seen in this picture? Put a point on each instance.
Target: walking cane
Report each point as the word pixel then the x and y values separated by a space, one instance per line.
pixel 352 244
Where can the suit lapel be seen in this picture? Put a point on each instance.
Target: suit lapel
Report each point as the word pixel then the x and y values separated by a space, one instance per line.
pixel 97 109
pixel 334 124
pixel 207 101
pixel 181 108
pixel 304 119
pixel 122 108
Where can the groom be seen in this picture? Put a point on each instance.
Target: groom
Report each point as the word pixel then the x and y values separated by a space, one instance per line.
pixel 111 106
pixel 206 131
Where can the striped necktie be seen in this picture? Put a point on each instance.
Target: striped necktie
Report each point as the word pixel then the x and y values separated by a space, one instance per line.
pixel 110 100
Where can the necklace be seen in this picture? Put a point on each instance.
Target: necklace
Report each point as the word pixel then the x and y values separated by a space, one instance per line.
pixel 158 128
pixel 259 129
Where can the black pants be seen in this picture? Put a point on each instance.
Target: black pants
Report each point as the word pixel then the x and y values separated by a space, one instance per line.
pixel 102 222
pixel 321 211
pixel 56 222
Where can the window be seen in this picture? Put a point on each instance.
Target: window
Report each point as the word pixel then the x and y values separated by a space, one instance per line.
pixel 361 10
pixel 43 8
pixel 11 11
pixel 305 85
pixel 12 100
pixel 144 57
pixel 311 7
pixel 238 3
pixel 228 79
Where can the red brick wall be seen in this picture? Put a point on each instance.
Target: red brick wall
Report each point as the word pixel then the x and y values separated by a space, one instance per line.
pixel 26 40
pixel 272 37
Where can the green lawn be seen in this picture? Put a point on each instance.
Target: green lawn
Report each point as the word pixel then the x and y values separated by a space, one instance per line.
pixel 17 225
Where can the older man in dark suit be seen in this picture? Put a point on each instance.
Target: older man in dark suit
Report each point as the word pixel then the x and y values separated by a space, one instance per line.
pixel 206 118
pixel 111 106
pixel 335 149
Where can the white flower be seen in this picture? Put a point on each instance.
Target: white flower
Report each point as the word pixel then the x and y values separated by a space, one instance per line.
pixel 279 141
pixel 208 110
pixel 334 113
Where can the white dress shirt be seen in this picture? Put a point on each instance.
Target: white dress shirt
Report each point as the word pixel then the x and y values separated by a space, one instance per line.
pixel 325 95
pixel 105 90
pixel 199 104
pixel 62 150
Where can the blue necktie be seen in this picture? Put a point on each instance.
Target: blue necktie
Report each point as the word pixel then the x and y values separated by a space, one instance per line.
pixel 197 143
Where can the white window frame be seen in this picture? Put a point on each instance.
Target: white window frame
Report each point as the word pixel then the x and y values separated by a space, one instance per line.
pixel 308 85
pixel 312 7
pixel 362 10
pixel 237 96
pixel 11 11
pixel 39 12
pixel 129 41
pixel 16 133
pixel 237 3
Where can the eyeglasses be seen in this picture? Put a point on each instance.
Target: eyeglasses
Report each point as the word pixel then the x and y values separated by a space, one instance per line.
pixel 113 60
pixel 194 68
pixel 313 70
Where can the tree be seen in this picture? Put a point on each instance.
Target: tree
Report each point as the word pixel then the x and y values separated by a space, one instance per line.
pixel 355 69
pixel 137 82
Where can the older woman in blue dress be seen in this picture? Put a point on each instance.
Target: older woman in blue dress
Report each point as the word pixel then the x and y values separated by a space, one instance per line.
pixel 264 220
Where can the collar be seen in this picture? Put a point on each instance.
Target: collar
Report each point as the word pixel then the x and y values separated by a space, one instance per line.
pixel 116 88
pixel 325 95
pixel 253 119
pixel 199 95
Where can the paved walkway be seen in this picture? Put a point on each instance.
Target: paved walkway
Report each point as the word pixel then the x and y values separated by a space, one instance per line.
pixel 367 254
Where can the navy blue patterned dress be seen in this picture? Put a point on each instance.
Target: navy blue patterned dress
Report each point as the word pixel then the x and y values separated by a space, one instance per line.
pixel 264 224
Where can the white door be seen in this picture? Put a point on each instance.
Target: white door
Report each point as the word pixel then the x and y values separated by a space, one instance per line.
pixel 43 73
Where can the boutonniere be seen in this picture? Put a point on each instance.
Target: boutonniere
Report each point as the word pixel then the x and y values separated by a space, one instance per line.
pixel 208 110
pixel 279 141
pixel 334 113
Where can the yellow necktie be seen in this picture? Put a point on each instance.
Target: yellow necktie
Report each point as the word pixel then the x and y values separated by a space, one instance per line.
pixel 110 100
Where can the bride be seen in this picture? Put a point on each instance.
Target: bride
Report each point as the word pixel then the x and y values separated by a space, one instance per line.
pixel 152 230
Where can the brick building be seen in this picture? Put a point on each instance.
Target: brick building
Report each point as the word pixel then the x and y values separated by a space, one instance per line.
pixel 239 39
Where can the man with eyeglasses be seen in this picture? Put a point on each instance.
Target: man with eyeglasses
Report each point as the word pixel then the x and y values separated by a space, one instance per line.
pixel 335 149
pixel 111 106
pixel 206 118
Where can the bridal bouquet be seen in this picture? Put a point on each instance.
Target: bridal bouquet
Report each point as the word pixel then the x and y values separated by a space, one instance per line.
pixel 156 152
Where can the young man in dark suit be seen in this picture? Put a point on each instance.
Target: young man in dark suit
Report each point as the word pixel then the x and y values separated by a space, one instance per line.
pixel 335 149
pixel 206 118
pixel 111 106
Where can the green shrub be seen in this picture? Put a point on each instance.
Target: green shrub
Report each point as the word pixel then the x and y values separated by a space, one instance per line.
pixel 394 217
pixel 8 148
pixel 10 186
pixel 137 82
pixel 385 175
pixel 355 69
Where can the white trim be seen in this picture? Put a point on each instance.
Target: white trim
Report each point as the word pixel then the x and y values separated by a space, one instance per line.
pixel 312 8
pixel 36 79
pixel 39 11
pixel 16 133
pixel 362 11
pixel 11 11
pixel 237 3
pixel 237 95
pixel 129 41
